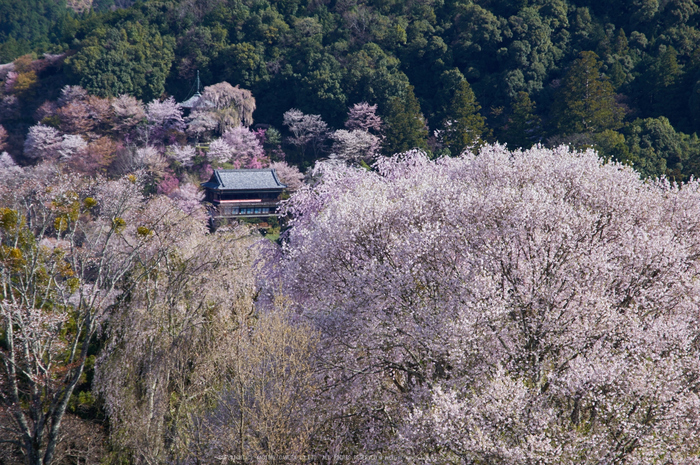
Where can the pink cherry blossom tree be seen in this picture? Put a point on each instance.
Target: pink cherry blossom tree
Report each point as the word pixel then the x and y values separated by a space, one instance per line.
pixel 189 198
pixel 168 184
pixel 230 106
pixel 42 142
pixel 183 154
pixel 289 175
pixel 128 113
pixel 219 151
pixel 363 116
pixel 72 94
pixel 505 307
pixel 164 117
pixel 240 147
pixel 71 145
pixel 201 124
pixel 246 147
pixel 8 168
pixel 10 81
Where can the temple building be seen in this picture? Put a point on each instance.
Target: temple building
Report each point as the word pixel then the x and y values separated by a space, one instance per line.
pixel 243 193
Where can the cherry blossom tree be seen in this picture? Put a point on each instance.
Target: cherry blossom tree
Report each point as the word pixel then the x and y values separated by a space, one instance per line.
pixel 8 167
pixel 289 175
pixel 93 159
pixel 168 184
pixel 355 145
pixel 363 138
pixel 188 198
pixel 183 154
pixel 201 124
pixel 363 116
pixel 72 94
pixel 9 106
pixel 71 145
pixel 511 307
pixel 79 112
pixel 46 110
pixel 230 106
pixel 6 161
pixel 10 81
pixel 3 137
pixel 101 112
pixel 163 117
pixel 245 146
pixel 240 147
pixel 75 118
pixel 307 130
pixel 219 151
pixel 128 113
pixel 42 142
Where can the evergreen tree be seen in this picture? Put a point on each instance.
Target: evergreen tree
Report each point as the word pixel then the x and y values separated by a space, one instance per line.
pixel 524 126
pixel 586 100
pixel 659 87
pixel 405 125
pixel 463 125
pixel 134 59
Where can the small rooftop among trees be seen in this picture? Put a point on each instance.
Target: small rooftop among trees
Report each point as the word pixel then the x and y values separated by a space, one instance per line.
pixel 244 192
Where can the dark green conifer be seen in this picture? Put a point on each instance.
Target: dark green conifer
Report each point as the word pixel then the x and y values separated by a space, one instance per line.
pixel 463 125
pixel 405 125
pixel 586 99
pixel 524 126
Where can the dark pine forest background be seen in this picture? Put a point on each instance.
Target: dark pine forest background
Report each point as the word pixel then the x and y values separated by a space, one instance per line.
pixel 620 76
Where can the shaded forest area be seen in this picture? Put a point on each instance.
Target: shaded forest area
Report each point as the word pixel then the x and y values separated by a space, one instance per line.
pixel 621 77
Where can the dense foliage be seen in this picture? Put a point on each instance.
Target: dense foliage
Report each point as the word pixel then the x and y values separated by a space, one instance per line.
pixel 529 65
pixel 509 308
pixel 461 302
pixel 31 24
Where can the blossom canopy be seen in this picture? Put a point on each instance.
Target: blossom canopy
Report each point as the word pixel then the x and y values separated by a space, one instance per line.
pixel 518 307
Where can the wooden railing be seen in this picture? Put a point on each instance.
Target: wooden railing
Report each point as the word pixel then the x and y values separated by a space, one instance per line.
pixel 243 208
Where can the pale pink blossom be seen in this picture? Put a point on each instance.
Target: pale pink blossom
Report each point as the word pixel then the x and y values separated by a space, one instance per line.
pixel 182 154
pixel 363 116
pixel 307 130
pixel 42 142
pixel 355 145
pixel 518 307
pixel 288 175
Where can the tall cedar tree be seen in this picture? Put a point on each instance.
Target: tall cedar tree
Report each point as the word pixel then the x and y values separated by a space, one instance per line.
pixel 660 94
pixel 463 125
pixel 405 125
pixel 524 126
pixel 586 100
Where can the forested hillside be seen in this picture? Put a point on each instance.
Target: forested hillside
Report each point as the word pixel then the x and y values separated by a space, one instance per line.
pixel 622 77
pixel 486 252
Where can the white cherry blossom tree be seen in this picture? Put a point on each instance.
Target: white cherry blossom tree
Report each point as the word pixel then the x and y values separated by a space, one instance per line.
pixel 508 308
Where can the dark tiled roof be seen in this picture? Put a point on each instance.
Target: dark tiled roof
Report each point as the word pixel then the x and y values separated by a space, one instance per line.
pixel 192 101
pixel 244 180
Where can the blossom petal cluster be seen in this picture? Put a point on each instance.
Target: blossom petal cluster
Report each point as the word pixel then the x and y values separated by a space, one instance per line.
pixel 535 306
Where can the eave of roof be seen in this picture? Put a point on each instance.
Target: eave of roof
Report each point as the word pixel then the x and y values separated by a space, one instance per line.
pixel 192 101
pixel 252 179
